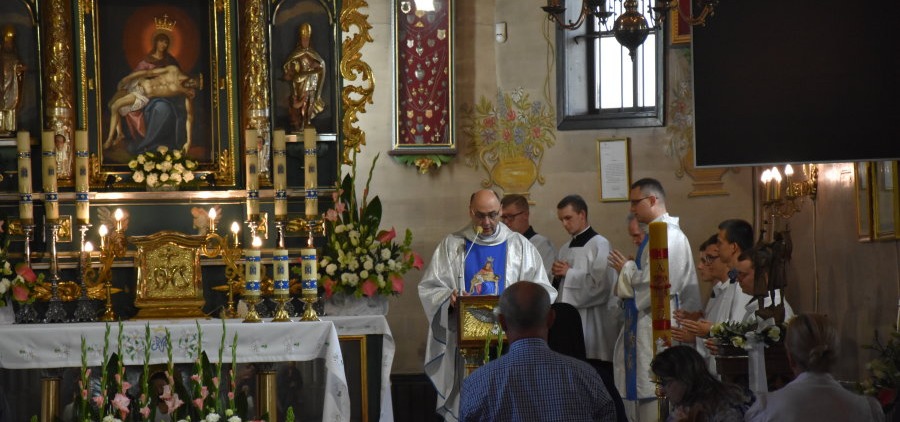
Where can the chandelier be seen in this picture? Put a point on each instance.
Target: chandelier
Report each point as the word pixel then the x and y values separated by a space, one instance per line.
pixel 630 28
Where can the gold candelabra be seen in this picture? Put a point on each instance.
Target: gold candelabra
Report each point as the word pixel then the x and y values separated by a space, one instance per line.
pixel 783 193
pixel 230 251
pixel 112 246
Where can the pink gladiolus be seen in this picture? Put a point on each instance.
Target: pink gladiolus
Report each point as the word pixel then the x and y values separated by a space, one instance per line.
pixel 195 378
pixel 87 373
pixel 336 194
pixel 231 395
pixel 98 400
pixel 339 207
pixel 215 381
pixel 126 386
pixel 198 403
pixel 329 287
pixel 397 283
pixel 172 400
pixel 20 293
pixel 120 403
pixel 145 412
pixel 84 394
pixel 331 215
pixel 118 378
pixel 386 236
pixel 26 272
pixel 204 392
pixel 369 288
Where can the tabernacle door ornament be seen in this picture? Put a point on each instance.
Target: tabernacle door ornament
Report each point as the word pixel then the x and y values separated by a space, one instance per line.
pixel 168 275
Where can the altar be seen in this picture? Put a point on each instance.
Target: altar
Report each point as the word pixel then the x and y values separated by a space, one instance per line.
pixel 59 346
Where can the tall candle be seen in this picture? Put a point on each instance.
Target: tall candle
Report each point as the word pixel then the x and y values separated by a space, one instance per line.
pixel 82 204
pixel 279 179
pixel 251 275
pixel 23 149
pixel 310 272
pixel 48 161
pixel 280 268
pixel 311 175
pixel 660 310
pixel 252 160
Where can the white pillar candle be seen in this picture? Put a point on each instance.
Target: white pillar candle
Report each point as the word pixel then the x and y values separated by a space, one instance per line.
pixel 23 149
pixel 311 174
pixel 280 269
pixel 82 186
pixel 251 274
pixel 279 171
pixel 48 161
pixel 252 160
pixel 310 272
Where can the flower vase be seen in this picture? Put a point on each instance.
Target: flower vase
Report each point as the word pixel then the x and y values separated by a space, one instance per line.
pixel 7 315
pixel 162 187
pixel 340 304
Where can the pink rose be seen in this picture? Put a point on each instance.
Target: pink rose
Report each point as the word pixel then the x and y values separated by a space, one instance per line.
pixel 20 293
pixel 329 287
pixel 26 272
pixel 397 283
pixel 369 288
pixel 387 236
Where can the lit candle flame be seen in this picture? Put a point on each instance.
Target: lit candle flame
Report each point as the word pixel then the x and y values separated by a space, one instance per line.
pixel 235 227
pixel 257 242
pixel 88 246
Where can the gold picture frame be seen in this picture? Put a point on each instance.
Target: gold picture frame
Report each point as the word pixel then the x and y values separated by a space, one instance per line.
pixel 354 350
pixel 474 321
pixel 613 169
pixel 863 200
pixel 885 200
pixel 121 39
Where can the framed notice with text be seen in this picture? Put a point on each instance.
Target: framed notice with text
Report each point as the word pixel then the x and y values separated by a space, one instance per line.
pixel 614 169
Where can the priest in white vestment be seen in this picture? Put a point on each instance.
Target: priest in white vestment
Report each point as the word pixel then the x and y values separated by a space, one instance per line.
pixel 634 347
pixel 480 259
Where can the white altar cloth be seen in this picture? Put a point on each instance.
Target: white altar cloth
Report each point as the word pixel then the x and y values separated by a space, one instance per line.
pixel 32 346
pixel 373 324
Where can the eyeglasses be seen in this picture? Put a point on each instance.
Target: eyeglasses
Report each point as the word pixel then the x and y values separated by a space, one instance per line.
pixel 493 215
pixel 510 217
pixel 709 259
pixel 634 202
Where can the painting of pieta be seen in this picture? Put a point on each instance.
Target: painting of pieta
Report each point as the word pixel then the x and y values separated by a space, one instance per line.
pixel 154 67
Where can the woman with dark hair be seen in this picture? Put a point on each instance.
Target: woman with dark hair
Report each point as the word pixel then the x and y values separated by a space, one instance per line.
pixel 811 342
pixel 695 394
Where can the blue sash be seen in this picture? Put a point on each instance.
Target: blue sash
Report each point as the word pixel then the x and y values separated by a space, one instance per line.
pixel 485 270
pixel 630 335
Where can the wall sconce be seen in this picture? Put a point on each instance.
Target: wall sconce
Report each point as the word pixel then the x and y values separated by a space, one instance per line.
pixel 783 196
pixel 630 28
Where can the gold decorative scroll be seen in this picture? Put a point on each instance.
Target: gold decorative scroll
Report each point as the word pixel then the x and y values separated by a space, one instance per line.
pixel 355 97
pixel 59 93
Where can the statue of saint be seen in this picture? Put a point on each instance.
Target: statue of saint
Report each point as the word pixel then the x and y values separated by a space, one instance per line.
pixel 305 70
pixel 11 73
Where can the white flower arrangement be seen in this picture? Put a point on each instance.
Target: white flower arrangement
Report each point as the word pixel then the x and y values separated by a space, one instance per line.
pixel 162 167
pixel 745 335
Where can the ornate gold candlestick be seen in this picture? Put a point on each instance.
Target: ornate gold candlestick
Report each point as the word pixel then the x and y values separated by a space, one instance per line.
pixel 84 311
pixel 111 247
pixel 310 273
pixel 230 251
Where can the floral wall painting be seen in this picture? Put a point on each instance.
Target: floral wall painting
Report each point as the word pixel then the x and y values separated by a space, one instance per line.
pixel 508 139
pixel 680 131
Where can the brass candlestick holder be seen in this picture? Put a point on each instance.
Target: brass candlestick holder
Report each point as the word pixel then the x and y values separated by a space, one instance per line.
pixel 281 313
pixel 84 311
pixel 310 296
pixel 252 315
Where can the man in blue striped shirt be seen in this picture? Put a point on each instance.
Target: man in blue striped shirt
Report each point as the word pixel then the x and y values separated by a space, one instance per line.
pixel 532 382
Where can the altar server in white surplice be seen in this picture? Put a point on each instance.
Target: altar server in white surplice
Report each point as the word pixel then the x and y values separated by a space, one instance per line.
pixel 517 216
pixel 634 347
pixel 585 280
pixel 481 259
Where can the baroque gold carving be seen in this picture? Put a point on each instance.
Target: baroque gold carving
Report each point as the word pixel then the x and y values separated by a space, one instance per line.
pixel 355 97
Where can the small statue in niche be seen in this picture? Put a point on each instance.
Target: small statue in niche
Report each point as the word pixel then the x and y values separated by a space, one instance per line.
pixel 11 74
pixel 305 70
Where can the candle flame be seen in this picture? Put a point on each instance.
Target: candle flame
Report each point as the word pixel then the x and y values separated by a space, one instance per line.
pixel 257 242
pixel 88 246
pixel 103 230
pixel 119 214
pixel 212 214
pixel 235 227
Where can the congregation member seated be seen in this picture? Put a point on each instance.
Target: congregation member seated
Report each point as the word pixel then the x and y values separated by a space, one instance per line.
pixel 814 395
pixel 566 336
pixel 693 392
pixel 531 382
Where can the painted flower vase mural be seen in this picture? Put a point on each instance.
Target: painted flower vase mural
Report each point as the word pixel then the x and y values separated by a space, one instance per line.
pixel 508 139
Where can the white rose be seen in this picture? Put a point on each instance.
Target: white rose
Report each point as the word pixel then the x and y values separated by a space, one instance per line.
pixel 353 265
pixel 176 178
pixel 187 176
pixel 364 274
pixel 379 268
pixel 340 228
pixel 178 167
pixel 385 253
pixel 152 180
pixel 148 166
pixel 4 286
pixel 138 177
pixel 330 269
pixel 162 149
pixel 212 417
pixel 132 164
pixel 190 164
pixel 166 165
pixel 141 159
pixel 177 154
pixel 158 166
pixel 7 270
pixel 233 418
pixel 368 265
pixel 164 177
